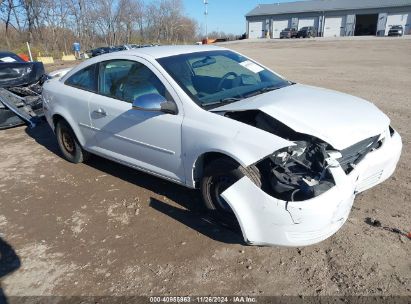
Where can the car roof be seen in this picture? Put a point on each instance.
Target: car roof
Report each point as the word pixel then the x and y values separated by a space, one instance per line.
pixel 150 53
pixel 170 50
pixel 6 53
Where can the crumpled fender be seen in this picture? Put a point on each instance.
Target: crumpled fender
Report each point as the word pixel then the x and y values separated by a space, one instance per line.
pixel 216 133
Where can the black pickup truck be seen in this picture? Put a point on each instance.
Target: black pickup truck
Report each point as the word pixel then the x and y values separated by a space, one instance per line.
pixel 288 33
pixel 307 32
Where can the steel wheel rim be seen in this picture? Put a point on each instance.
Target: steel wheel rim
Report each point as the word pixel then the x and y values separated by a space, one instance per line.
pixel 68 142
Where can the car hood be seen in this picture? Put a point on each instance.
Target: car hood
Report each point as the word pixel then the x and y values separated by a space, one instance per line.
pixel 337 118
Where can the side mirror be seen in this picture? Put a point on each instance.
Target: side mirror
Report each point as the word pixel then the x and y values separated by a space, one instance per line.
pixel 154 103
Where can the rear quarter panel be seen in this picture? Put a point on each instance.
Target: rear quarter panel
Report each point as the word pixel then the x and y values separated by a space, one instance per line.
pixel 70 103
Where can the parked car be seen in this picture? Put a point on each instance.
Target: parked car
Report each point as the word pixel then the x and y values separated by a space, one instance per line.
pixel 100 51
pixel 118 48
pixel 288 33
pixel 282 159
pixel 307 32
pixel 396 30
pixel 131 46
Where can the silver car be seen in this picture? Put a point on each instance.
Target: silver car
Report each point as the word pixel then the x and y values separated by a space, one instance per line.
pixel 283 160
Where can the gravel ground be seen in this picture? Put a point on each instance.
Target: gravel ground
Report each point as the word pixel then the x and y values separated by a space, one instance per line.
pixel 100 228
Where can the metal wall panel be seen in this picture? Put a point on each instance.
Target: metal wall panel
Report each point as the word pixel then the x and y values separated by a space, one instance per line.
pixel 350 25
pixel 382 21
pixel 294 22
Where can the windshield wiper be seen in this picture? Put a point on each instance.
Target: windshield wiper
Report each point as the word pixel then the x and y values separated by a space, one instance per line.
pixel 261 91
pixel 222 101
pixel 229 99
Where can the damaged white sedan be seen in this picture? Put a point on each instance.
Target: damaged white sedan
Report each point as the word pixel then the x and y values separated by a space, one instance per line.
pixel 284 160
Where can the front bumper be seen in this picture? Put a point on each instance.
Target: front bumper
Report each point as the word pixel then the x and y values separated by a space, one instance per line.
pixel 265 220
pixel 394 33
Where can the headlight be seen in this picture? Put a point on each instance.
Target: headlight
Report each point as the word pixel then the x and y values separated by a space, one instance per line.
pixel 282 156
pixel 299 172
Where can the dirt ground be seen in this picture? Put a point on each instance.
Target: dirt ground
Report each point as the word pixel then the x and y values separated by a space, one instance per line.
pixel 100 228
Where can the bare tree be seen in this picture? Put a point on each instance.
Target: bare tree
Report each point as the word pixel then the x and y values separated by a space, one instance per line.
pixel 53 25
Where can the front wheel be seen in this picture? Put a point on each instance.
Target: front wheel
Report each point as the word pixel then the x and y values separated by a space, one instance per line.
pixel 69 144
pixel 219 175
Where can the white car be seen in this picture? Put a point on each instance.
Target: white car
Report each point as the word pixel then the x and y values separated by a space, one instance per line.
pixel 284 160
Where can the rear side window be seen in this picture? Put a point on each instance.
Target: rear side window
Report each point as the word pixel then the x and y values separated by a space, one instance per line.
pixel 84 79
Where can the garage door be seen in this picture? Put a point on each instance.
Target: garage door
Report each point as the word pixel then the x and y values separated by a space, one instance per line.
pixel 255 29
pixel 397 19
pixel 305 22
pixel 332 26
pixel 278 26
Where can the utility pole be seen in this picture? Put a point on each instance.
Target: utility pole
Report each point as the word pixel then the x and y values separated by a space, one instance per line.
pixel 205 17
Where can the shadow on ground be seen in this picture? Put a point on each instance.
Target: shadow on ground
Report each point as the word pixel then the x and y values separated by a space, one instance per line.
pixel 9 262
pixel 201 222
pixel 193 215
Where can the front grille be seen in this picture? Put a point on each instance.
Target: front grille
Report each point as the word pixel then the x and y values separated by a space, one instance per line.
pixel 352 155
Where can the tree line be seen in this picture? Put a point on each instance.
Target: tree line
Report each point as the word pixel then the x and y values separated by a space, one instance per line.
pixel 51 26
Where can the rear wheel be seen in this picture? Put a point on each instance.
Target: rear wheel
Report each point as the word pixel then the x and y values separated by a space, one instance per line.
pixel 69 144
pixel 219 175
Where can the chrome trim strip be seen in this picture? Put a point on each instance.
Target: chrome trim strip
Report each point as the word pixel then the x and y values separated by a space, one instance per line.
pixel 142 169
pixel 89 127
pixel 132 140
pixel 145 144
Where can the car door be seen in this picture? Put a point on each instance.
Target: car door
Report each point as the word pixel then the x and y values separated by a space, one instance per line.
pixel 150 140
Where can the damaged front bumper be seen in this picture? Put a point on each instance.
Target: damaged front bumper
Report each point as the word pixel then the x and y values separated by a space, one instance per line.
pixel 265 220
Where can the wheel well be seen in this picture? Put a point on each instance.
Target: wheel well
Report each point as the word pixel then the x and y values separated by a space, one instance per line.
pixel 56 118
pixel 203 161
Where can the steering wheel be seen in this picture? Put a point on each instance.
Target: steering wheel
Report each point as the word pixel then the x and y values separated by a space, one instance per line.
pixel 220 84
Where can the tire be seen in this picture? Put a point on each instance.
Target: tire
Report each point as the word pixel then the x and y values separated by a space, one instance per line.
pixel 68 143
pixel 219 175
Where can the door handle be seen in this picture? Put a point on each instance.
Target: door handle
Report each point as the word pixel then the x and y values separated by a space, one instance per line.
pixel 100 112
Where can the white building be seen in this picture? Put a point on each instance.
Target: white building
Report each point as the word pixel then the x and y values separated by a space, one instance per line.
pixel 331 18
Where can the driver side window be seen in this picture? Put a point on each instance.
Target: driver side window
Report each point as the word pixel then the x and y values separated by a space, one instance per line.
pixel 128 80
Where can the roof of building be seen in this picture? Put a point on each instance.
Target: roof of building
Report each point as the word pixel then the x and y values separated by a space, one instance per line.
pixel 323 5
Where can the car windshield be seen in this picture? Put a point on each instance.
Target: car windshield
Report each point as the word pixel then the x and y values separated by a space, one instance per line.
pixel 287 29
pixel 213 78
pixel 396 27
